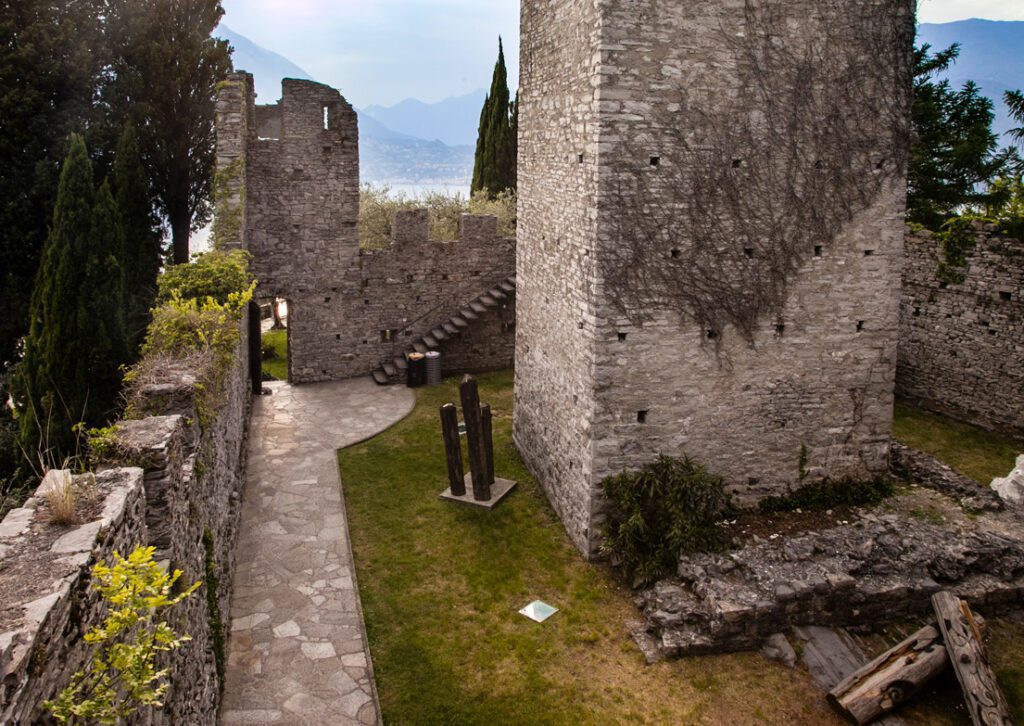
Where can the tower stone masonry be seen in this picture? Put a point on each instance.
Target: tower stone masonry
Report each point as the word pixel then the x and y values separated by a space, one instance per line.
pixel 710 233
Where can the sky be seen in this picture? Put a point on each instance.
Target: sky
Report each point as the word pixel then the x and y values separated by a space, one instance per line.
pixel 383 51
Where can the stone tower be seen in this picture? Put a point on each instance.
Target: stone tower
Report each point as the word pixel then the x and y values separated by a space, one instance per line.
pixel 711 200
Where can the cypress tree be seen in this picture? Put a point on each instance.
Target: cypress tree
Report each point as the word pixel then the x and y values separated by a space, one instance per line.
pixel 75 347
pixel 494 167
pixel 101 312
pixel 52 404
pixel 142 244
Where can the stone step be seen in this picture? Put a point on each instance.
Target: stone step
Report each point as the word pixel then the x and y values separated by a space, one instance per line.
pixel 381 377
pixel 390 370
pixel 468 314
pixel 487 300
pixel 507 286
pixel 430 341
pixel 477 308
pixel 400 362
pixel 438 334
pixel 497 294
pixel 459 322
pixel 450 329
pixel 419 347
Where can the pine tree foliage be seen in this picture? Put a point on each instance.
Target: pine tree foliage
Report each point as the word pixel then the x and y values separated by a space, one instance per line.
pixel 494 167
pixel 954 153
pixel 142 243
pixel 50 62
pixel 164 73
pixel 75 346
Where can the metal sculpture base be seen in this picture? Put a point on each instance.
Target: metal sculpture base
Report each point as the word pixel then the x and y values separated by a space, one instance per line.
pixel 499 490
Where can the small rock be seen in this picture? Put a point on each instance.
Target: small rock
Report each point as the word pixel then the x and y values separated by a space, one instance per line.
pixel 777 648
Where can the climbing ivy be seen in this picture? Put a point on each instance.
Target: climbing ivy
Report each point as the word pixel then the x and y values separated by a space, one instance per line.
pixel 957 239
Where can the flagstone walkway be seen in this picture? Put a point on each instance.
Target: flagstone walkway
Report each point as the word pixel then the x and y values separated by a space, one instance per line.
pixel 297 652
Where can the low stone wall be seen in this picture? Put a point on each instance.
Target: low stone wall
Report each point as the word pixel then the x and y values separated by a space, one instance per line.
pixel 960 343
pixel 183 499
pixel 870 572
pixel 48 605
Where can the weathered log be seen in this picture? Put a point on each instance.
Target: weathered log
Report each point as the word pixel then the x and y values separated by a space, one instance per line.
pixel 470 397
pixel 452 449
pixel 487 440
pixel 890 679
pixel 962 637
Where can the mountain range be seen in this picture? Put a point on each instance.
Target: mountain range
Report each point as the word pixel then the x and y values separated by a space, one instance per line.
pixel 410 143
pixel 432 144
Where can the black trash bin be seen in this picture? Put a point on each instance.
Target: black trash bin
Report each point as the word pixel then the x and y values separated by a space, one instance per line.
pixel 416 375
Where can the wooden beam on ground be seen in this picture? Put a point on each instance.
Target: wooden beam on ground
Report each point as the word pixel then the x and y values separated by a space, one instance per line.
pixel 961 634
pixel 891 678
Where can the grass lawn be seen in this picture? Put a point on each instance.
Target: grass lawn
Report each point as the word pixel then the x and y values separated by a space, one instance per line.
pixel 278 365
pixel 981 455
pixel 441 585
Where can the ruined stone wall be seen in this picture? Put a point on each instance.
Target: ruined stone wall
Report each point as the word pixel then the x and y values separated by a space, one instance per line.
pixel 404 291
pixel 600 389
pixel 960 343
pixel 350 310
pixel 184 500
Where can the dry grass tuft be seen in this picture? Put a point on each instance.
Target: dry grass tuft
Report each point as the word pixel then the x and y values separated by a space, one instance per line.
pixel 61 497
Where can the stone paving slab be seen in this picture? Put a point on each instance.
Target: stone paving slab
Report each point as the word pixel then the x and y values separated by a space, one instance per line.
pixel 297 652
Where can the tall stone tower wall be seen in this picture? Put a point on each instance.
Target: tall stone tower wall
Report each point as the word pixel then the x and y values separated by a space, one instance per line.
pixel 698 307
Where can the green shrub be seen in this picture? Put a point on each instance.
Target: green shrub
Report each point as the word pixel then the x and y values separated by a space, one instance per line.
pixel 659 512
pixel 215 274
pixel 826 494
pixel 378 205
pixel 122 674
pixel 957 238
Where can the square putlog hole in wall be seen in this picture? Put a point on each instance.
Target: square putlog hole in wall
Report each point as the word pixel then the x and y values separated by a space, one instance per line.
pixel 675 254
pixel 655 160
pixel 748 252
pixel 860 326
pixel 641 416
pixel 579 158
pixel 1005 296
pixel 622 337
pixel 387 335
pixel 817 250
pixel 869 253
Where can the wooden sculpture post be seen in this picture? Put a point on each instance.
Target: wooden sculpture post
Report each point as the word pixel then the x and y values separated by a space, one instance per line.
pixel 453 449
pixel 487 490
pixel 470 396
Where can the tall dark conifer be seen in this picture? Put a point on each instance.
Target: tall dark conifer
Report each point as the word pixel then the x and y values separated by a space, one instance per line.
pixel 101 311
pixel 494 167
pixel 48 392
pixel 142 243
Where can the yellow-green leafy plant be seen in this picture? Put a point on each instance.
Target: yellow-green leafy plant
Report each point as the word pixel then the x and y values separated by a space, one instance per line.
pixel 122 675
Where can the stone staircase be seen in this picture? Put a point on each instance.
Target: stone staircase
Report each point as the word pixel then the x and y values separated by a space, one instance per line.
pixel 393 371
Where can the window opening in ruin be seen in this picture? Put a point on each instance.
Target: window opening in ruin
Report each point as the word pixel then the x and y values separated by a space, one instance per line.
pixel 337 336
pixel 712 334
pixel 868 253
pixel 675 253
pixel 917 312
pixel 749 252
pixel 655 160
pixel 444 275
pixel 641 416
pixel 327 117
pixel 817 250
pixel 737 163
pixel 1005 296
pixel 622 337
pixel 860 325
pixel 579 158
pixel 387 335
pixel 780 328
